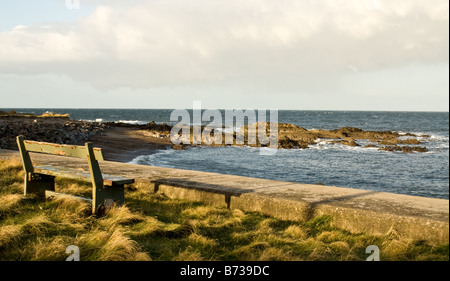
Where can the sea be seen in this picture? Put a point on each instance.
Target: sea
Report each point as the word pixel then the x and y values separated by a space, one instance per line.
pixel 419 174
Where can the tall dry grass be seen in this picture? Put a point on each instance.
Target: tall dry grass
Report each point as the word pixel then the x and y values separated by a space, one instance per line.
pixel 154 227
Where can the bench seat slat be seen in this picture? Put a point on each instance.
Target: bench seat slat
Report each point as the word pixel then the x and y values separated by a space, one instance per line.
pixel 83 175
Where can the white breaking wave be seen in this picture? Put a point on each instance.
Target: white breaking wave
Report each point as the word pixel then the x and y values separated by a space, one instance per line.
pixel 138 122
pixel 150 159
pixel 227 130
pixel 336 146
pixel 425 136
pixel 98 120
pixel 439 138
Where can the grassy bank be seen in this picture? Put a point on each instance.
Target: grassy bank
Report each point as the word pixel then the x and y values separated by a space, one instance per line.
pixel 154 227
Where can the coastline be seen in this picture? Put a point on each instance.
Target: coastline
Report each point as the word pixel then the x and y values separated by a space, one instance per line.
pixel 59 128
pixel 357 211
pixel 125 144
pixel 120 142
pixel 347 146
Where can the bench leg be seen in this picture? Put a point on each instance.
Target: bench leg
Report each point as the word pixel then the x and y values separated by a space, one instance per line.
pixel 37 184
pixel 107 197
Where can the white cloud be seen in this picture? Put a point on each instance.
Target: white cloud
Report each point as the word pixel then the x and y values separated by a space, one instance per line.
pixel 144 44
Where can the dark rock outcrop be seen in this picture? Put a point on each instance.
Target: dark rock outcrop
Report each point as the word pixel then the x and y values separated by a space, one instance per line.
pixel 60 131
pixel 404 149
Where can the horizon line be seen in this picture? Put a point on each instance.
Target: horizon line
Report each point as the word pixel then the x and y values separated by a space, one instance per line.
pixel 134 108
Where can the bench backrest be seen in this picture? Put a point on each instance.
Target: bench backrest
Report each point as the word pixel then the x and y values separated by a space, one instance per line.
pixel 92 154
pixel 61 149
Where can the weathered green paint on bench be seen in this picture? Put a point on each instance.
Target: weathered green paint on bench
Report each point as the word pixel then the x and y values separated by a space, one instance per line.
pixel 61 149
pixel 40 180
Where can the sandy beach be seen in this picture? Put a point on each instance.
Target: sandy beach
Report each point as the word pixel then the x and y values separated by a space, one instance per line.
pixel 124 144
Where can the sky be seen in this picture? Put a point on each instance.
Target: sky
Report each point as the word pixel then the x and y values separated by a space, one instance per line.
pixel 253 54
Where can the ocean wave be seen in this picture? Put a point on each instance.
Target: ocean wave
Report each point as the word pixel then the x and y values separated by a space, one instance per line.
pixel 224 130
pixel 337 146
pixel 149 159
pixel 324 144
pixel 97 120
pixel 424 136
pixel 134 122
pixel 100 120
pixel 438 138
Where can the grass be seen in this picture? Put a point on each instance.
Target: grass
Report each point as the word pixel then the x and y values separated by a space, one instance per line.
pixel 153 227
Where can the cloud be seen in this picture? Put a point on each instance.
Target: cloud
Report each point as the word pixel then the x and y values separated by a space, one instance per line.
pixel 156 43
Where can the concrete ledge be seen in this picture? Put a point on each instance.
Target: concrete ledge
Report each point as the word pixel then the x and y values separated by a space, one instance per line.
pixel 358 211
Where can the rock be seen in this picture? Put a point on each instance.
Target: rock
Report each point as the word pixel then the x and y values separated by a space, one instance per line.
pixel 410 135
pixel 53 115
pixel 349 142
pixel 395 141
pixel 419 149
pixel 411 141
pixel 55 130
pixel 370 146
pixel 288 143
pixel 347 130
pixel 405 149
pixel 179 147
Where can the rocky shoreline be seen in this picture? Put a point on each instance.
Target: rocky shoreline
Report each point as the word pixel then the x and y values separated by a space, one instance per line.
pixel 294 137
pixel 121 138
pixel 56 129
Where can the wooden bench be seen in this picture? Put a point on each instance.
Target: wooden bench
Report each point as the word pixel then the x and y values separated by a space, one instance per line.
pixel 106 189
